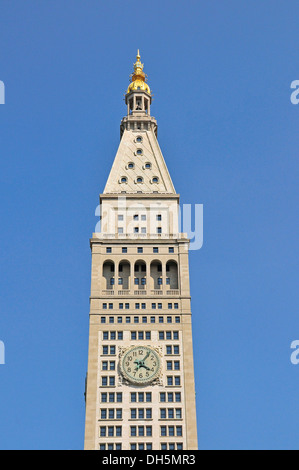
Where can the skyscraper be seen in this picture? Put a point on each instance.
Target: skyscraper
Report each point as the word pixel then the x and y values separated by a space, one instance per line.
pixel 140 392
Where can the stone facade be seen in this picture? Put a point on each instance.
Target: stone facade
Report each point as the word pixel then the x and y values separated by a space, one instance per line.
pixel 140 295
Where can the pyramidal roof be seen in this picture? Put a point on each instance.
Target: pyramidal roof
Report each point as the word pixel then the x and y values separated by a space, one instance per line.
pixel 139 166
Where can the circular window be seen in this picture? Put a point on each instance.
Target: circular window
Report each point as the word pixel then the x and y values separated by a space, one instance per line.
pixel 139 180
pixel 155 179
pixel 123 179
pixel 139 139
pixel 148 166
pixel 131 165
pixel 139 151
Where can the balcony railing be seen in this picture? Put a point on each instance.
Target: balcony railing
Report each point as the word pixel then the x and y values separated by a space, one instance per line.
pixel 128 292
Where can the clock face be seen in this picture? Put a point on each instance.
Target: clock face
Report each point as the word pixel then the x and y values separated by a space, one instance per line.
pixel 140 365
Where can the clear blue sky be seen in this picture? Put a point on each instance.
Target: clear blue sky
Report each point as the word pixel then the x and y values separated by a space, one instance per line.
pixel 221 74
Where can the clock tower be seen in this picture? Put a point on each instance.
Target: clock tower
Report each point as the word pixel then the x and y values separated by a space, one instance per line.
pixel 140 392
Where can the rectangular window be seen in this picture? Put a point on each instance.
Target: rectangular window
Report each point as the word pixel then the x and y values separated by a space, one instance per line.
pixel 120 230
pixel 104 381
pixel 169 381
pixel 161 335
pixel 153 320
pixel 143 306
pixel 103 319
pixel 120 336
pixel 133 397
pixel 170 249
pixel 119 397
pixel 133 335
pixel 141 397
pixel 120 218
pixel 148 397
pixel 159 229
pixel 139 250
pixel 124 250
pixel 143 217
pixel 159 217
pixel 108 250
pixel 127 306
pixel 155 250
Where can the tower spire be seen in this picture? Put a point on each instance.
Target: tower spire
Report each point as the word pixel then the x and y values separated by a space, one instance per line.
pixel 138 77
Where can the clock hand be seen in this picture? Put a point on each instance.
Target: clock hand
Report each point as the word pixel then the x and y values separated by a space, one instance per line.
pixel 148 354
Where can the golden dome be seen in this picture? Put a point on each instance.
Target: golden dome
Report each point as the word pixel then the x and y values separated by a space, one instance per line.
pixel 138 78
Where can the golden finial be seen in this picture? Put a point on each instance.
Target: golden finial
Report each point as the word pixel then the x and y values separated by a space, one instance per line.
pixel 138 77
